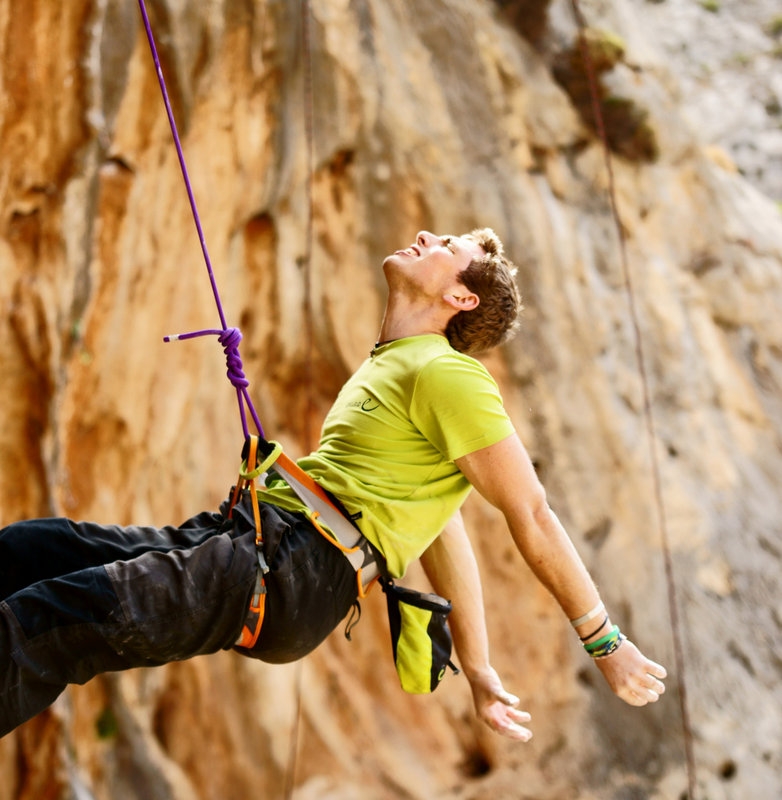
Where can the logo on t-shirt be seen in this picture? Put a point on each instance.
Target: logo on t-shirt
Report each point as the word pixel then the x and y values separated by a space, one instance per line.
pixel 368 404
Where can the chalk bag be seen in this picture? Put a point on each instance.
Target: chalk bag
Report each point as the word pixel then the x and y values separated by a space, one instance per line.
pixel 420 638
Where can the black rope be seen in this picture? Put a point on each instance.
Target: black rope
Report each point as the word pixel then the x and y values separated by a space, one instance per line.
pixel 673 602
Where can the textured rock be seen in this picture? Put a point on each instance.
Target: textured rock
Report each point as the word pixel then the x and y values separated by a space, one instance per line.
pixel 726 60
pixel 440 120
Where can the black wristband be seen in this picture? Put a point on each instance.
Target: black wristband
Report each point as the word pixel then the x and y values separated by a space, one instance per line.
pixel 597 630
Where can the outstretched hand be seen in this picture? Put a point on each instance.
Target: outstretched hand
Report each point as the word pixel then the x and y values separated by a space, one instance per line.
pixel 498 708
pixel 632 676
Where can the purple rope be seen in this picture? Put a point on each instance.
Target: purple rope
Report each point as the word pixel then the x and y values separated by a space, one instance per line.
pixel 228 337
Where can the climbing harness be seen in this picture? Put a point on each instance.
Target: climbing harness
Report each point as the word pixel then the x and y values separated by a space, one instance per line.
pixel 324 512
pixel 248 476
pixel 673 602
pixel 339 530
pixel 258 457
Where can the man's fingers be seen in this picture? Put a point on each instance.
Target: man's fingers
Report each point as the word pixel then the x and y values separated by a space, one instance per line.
pixel 634 697
pixel 516 732
pixel 508 721
pixel 510 725
pixel 652 688
pixel 508 699
pixel 641 696
pixel 632 676
pixel 519 716
pixel 657 670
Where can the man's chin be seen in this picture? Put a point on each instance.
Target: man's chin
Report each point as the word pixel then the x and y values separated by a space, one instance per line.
pixel 391 262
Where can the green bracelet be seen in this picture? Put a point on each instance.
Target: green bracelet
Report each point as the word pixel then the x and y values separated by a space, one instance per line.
pixel 606 644
pixel 596 645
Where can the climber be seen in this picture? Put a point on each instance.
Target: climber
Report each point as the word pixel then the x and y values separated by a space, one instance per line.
pixel 418 425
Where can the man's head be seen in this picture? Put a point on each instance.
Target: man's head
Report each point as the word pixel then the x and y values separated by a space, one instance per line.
pixel 492 278
pixel 465 281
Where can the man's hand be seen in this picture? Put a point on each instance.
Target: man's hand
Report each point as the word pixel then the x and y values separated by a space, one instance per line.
pixel 497 708
pixel 632 676
pixel 450 564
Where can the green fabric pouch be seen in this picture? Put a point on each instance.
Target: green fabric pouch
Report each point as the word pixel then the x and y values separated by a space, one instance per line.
pixel 420 638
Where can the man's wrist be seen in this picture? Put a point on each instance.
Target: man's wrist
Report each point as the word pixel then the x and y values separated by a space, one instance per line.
pixel 479 673
pixel 591 631
pixel 590 615
pixel 593 624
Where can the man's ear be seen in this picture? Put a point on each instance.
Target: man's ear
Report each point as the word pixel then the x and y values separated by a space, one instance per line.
pixel 462 300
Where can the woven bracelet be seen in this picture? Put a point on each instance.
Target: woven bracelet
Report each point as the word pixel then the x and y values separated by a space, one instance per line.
pixel 612 648
pixel 605 645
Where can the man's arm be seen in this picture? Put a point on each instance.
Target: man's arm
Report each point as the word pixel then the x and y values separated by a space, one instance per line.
pixel 504 475
pixel 450 565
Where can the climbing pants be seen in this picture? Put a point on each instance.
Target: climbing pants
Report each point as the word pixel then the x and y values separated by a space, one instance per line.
pixel 79 599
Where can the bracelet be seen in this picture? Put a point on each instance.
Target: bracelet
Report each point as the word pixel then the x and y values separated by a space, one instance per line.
pixel 589 615
pixel 613 648
pixel 607 644
pixel 596 630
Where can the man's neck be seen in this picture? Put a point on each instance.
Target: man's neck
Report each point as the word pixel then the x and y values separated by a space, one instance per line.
pixel 402 319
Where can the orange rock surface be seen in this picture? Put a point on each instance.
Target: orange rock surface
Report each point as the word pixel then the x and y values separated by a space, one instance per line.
pixel 321 137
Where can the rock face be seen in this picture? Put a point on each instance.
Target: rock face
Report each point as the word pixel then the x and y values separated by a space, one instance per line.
pixel 319 138
pixel 726 58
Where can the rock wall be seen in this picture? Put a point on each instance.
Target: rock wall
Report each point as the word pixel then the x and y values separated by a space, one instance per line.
pixel 726 58
pixel 319 138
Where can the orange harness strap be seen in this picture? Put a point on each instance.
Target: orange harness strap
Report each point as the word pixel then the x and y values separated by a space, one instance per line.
pixel 354 546
pixel 346 537
pixel 247 480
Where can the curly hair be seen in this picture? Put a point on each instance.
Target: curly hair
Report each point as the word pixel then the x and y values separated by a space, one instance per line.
pixel 496 318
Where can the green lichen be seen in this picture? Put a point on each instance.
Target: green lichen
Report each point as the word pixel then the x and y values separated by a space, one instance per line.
pixel 628 129
pixel 106 725
pixel 774 26
pixel 606 49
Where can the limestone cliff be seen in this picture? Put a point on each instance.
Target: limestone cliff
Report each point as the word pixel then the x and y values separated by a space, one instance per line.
pixel 320 138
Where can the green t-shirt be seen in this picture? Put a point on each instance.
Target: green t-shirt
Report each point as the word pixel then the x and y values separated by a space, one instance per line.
pixel 389 443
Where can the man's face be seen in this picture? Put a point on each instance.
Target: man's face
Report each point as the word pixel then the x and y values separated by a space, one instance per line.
pixel 432 264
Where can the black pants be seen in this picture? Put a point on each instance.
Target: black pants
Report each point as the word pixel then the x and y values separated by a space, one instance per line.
pixel 78 599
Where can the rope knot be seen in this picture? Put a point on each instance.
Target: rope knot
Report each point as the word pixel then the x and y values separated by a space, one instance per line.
pixel 229 339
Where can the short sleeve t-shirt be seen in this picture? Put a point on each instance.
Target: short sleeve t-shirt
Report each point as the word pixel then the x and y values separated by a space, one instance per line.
pixel 390 440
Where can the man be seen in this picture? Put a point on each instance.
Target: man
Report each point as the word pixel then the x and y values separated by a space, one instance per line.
pixel 417 425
